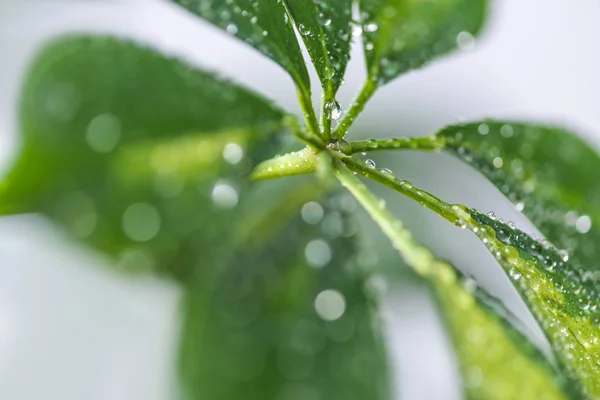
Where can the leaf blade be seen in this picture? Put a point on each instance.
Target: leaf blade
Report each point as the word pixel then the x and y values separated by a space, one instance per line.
pixel 169 157
pixel 401 35
pixel 325 28
pixel 268 306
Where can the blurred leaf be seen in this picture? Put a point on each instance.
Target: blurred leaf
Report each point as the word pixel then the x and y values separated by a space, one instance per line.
pixel 400 35
pixel 497 362
pixel 289 317
pixel 325 27
pixel 547 172
pixel 263 25
pixel 136 153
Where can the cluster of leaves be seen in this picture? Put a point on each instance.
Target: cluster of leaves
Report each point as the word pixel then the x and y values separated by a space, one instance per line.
pixel 163 167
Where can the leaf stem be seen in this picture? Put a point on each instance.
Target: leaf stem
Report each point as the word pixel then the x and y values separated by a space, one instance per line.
pixel 309 113
pixel 415 143
pixel 415 255
pixel 448 211
pixel 355 109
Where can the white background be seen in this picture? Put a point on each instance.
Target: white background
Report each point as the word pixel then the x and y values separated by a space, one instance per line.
pixel 70 329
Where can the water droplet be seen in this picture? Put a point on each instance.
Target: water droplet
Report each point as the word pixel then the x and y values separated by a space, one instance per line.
pixel 564 255
pixel 514 274
pixel 103 133
pixel 330 304
pixel 356 30
pixel 483 129
pixel 387 172
pixel 372 27
pixel 519 206
pixel 465 41
pixel 506 131
pixel 583 224
pixel 233 153
pixel 141 222
pixel 224 195
pixel 370 163
pixel 498 162
pixel 334 109
pixel 232 29
pixel 491 215
pixel 324 19
pixel 317 253
pixel 368 46
pixel 312 212
pixel 304 30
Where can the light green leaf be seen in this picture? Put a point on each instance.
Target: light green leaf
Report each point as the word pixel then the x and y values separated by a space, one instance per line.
pixel 400 35
pixel 136 153
pixel 325 28
pixel 497 362
pixel 289 317
pixel 263 25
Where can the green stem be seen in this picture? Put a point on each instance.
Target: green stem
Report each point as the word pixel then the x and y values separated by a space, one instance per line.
pixel 415 255
pixel 448 211
pixel 415 143
pixel 355 109
pixel 309 113
pixel 326 117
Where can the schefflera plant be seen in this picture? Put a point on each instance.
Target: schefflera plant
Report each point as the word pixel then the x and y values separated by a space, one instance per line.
pixel 165 167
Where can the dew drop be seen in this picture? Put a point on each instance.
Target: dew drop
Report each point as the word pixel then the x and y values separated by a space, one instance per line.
pixel 317 253
pixel 103 133
pixel 491 215
pixel 141 222
pixel 370 163
pixel 312 212
pixel 330 304
pixel 564 255
pixel 583 224
pixel 356 30
pixel 232 29
pixel 387 172
pixel 224 195
pixel 483 129
pixel 304 30
pixel 324 19
pixel 334 109
pixel 372 27
pixel 233 153
pixel 465 41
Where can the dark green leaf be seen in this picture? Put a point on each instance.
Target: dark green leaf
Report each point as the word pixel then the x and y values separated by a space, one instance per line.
pixel 548 173
pixel 264 25
pixel 273 328
pixel 497 362
pixel 137 153
pixel 400 35
pixel 325 27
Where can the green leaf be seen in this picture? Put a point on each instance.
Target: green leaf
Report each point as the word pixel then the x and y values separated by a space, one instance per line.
pixel 263 25
pixel 273 327
pixel 400 35
pixel 497 362
pixel 547 172
pixel 325 27
pixel 136 153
